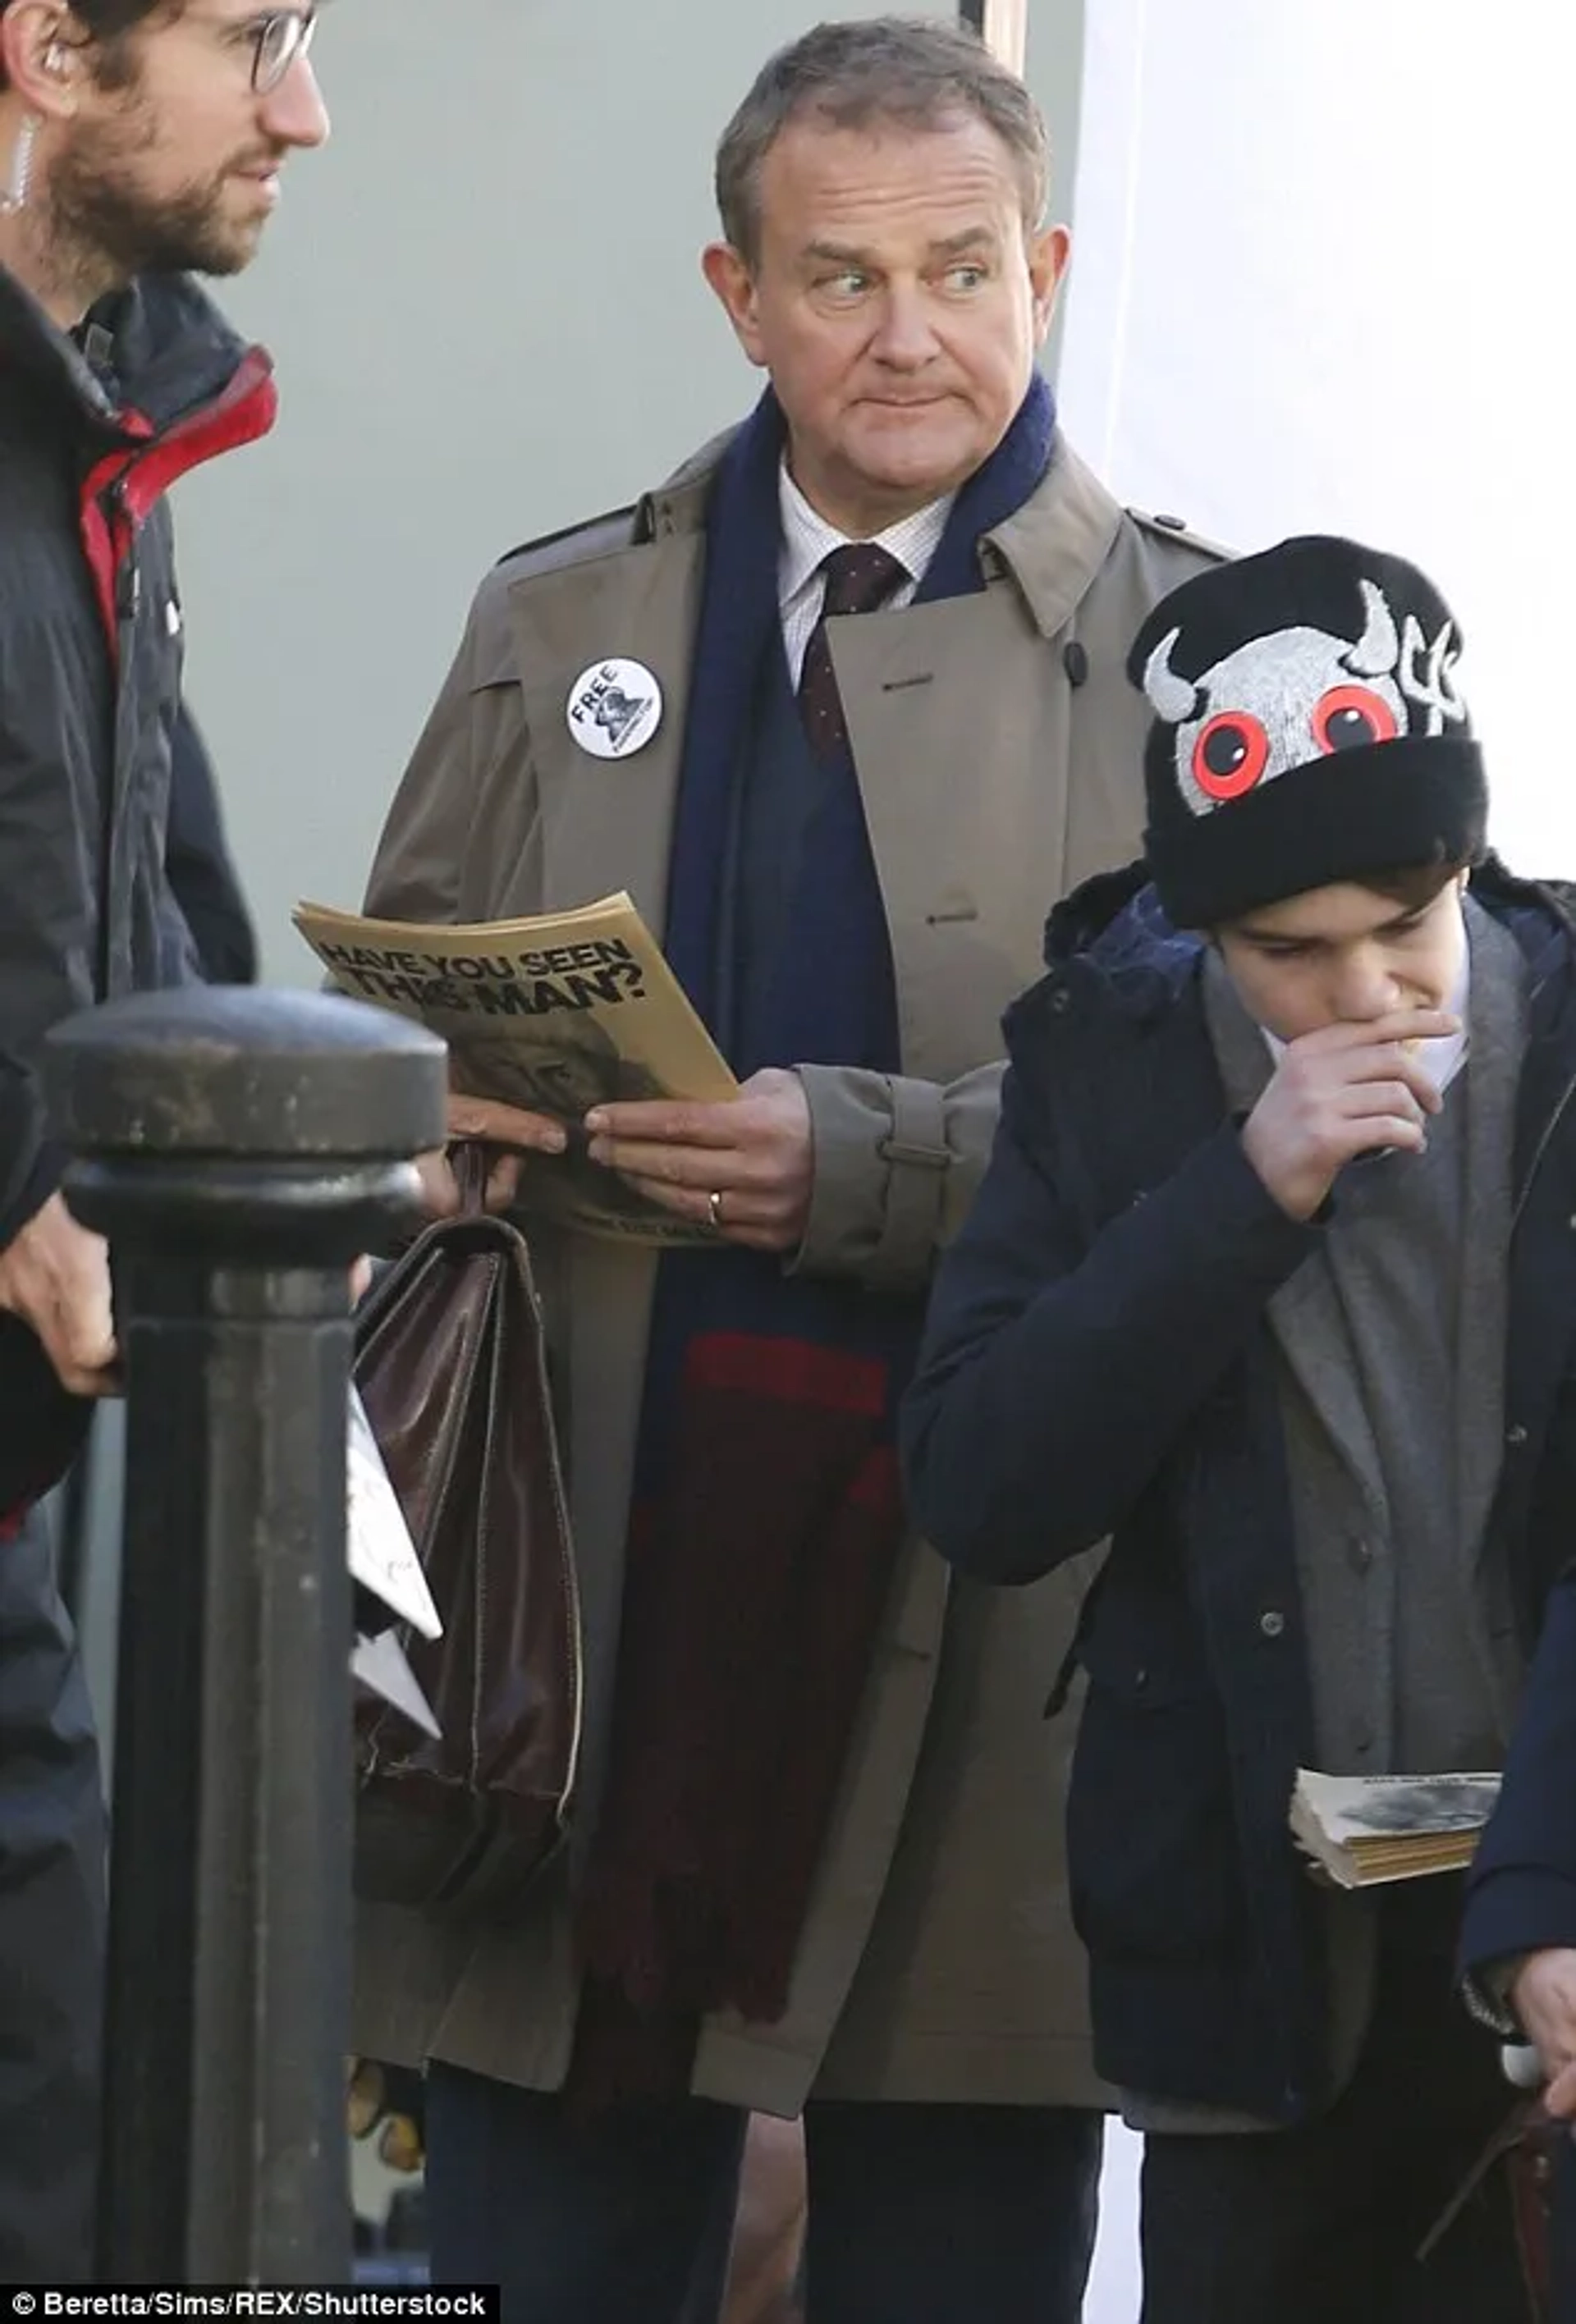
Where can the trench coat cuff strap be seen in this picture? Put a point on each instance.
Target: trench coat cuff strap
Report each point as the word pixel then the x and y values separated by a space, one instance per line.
pixel 882 1161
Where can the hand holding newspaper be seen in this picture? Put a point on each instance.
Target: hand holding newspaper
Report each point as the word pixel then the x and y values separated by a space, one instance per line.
pixel 555 1014
pixel 1361 1829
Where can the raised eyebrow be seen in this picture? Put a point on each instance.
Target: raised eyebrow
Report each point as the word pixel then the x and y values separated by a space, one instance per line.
pixel 837 254
pixel 973 237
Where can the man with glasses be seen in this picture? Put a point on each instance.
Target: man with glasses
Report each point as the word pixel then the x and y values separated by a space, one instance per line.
pixel 140 141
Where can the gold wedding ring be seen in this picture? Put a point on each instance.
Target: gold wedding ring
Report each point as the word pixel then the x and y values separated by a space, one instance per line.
pixel 714 1205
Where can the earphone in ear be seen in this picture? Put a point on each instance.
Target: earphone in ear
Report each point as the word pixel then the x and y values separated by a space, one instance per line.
pixel 55 59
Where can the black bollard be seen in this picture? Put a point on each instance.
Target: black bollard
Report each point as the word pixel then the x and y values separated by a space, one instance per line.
pixel 239 1148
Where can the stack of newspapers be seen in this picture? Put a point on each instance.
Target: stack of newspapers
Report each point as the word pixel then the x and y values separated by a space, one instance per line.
pixel 1360 1830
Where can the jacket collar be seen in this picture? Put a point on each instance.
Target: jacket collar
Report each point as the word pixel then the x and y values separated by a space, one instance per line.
pixel 167 353
pixel 1052 546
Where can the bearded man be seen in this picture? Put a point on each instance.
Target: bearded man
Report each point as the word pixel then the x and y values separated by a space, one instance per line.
pixel 140 141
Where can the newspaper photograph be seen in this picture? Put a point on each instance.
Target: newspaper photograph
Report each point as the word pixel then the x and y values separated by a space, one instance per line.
pixel 554 1014
pixel 1366 1828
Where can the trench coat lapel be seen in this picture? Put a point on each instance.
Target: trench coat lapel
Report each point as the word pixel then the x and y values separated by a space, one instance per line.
pixel 607 823
pixel 962 741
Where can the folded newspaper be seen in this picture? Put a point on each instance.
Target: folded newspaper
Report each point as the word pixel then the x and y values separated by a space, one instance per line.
pixel 1361 1829
pixel 389 1585
pixel 554 1014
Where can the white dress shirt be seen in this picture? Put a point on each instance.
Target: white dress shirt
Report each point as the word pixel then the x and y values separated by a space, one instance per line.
pixel 808 540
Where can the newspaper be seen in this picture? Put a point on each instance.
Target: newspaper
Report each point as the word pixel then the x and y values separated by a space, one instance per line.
pixel 554 1014
pixel 383 1556
pixel 1361 1829
pixel 389 1585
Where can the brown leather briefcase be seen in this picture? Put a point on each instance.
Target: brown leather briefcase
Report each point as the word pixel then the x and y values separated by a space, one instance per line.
pixel 451 1366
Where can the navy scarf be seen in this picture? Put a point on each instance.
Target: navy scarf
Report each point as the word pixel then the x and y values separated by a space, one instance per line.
pixel 767 1516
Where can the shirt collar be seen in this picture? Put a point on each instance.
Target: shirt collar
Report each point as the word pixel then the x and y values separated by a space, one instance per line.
pixel 808 539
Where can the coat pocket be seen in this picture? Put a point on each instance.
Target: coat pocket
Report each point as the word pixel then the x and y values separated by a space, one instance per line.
pixel 1152 1839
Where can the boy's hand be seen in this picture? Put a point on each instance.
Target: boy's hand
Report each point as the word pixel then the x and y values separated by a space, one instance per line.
pixel 1344 1090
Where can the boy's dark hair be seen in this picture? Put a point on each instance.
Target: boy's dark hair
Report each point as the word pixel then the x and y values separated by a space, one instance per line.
pixel 1414 885
pixel 108 23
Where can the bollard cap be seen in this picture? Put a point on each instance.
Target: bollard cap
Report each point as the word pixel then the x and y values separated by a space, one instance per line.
pixel 233 1072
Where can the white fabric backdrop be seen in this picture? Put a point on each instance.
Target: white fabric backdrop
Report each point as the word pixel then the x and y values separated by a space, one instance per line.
pixel 1322 281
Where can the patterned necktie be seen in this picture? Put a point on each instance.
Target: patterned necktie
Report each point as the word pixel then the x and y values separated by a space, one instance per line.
pixel 858 579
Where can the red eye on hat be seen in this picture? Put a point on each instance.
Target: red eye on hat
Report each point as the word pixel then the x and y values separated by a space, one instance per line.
pixel 1349 716
pixel 1230 753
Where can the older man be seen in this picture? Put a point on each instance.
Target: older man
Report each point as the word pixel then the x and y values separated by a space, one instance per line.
pixel 876 638
pixel 136 140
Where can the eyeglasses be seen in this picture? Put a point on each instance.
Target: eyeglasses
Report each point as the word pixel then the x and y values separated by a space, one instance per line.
pixel 280 41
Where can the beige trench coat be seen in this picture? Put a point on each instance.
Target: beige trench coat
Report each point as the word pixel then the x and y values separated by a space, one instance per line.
pixel 937 1962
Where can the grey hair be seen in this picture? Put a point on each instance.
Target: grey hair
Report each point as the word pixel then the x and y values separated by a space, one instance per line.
pixel 913 70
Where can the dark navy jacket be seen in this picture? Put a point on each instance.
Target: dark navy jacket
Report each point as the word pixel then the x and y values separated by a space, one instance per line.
pixel 1097 1363
pixel 1522 1891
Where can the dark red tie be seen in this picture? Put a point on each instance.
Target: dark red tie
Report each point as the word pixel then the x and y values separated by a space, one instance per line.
pixel 858 579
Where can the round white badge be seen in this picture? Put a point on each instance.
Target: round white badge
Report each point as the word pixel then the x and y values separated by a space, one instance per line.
pixel 614 708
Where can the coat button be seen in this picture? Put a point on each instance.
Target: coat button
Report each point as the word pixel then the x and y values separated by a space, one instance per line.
pixel 1272 1624
pixel 1515 1435
pixel 1060 1001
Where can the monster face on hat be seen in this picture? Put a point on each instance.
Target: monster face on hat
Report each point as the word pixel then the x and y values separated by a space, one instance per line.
pixel 1309 729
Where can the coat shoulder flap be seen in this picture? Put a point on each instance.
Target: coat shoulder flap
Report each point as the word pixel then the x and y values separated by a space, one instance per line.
pixel 575 544
pixel 1176 531
pixel 493 660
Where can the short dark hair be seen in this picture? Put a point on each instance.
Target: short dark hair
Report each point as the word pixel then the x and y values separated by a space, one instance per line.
pixel 108 22
pixel 914 70
pixel 1414 885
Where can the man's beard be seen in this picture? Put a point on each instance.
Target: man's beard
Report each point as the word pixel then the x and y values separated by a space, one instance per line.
pixel 103 225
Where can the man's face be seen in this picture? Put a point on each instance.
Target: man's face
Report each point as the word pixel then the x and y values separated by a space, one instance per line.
pixel 1345 954
pixel 176 165
pixel 898 303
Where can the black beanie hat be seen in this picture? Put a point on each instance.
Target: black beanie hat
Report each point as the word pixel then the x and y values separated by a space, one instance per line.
pixel 1308 729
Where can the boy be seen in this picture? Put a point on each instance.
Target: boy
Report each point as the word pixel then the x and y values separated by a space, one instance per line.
pixel 1271 1280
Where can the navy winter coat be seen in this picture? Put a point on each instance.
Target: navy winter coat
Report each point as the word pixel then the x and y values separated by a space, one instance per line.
pixel 1521 1896
pixel 1097 1363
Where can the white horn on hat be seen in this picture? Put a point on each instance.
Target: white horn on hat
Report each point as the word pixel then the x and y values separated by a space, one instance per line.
pixel 1378 649
pixel 1174 697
